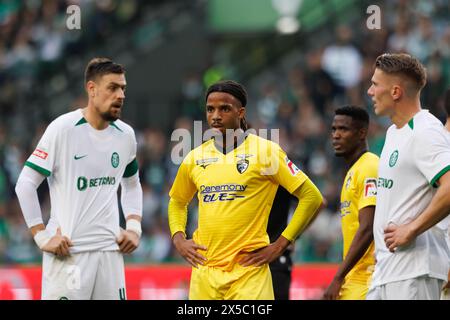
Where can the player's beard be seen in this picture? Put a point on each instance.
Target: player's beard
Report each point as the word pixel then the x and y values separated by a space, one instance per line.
pixel 111 114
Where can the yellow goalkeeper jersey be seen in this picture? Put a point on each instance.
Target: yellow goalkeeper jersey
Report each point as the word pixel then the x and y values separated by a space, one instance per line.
pixel 235 193
pixel 359 191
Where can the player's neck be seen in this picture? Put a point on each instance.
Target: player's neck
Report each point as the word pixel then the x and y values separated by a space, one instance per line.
pixel 351 159
pixel 404 112
pixel 230 142
pixel 94 119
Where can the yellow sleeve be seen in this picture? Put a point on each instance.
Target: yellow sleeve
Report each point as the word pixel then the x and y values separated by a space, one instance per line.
pixel 310 200
pixel 181 193
pixel 177 216
pixel 282 170
pixel 183 188
pixel 367 185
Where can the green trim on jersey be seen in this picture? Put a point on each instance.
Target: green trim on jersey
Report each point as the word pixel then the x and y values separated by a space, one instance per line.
pixel 82 121
pixel 115 126
pixel 438 176
pixel 131 169
pixel 45 172
pixel 411 123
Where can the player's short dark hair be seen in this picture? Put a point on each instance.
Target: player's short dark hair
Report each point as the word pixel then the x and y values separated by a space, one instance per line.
pixel 447 102
pixel 404 65
pixel 101 66
pixel 359 115
pixel 237 90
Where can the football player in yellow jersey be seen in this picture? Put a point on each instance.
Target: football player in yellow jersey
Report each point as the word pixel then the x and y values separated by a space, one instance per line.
pixel 358 198
pixel 235 175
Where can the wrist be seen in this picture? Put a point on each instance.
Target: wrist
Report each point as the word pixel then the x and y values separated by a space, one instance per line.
pixel 42 237
pixel 339 277
pixel 178 236
pixel 134 226
pixel 281 244
pixel 413 230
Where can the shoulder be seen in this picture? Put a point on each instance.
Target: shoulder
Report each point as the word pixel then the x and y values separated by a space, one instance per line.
pixel 199 153
pixel 123 127
pixel 370 158
pixel 426 127
pixel 262 143
pixel 66 121
pixel 368 165
pixel 424 120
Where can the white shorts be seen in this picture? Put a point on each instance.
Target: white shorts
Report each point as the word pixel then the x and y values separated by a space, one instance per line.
pixel 421 288
pixel 96 275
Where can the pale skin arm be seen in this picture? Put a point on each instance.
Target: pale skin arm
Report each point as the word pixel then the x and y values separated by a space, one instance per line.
pixel 447 285
pixel 187 248
pixel 358 247
pixel 128 241
pixel 58 244
pixel 438 209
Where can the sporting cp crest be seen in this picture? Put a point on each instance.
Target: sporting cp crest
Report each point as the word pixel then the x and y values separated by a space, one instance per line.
pixel 242 165
pixel 393 159
pixel 115 160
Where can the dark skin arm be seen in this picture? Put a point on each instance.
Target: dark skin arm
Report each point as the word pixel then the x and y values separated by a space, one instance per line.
pixel 267 254
pixel 360 243
pixel 188 249
pixel 274 250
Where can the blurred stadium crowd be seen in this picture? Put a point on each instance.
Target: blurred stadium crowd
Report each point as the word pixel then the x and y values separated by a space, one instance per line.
pixel 297 95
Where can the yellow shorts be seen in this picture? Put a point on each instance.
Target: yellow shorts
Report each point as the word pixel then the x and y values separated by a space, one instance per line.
pixel 241 283
pixel 352 290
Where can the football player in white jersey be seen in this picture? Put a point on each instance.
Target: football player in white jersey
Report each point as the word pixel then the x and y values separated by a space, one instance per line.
pixel 446 289
pixel 85 154
pixel 413 186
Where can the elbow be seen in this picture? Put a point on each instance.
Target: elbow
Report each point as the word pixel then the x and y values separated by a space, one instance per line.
pixel 19 186
pixel 323 204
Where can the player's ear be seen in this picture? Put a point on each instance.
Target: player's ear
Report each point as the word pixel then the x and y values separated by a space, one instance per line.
pixel 363 133
pixel 396 92
pixel 241 112
pixel 91 88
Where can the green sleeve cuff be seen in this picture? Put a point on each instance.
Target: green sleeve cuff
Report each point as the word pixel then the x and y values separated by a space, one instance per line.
pixel 131 169
pixel 438 176
pixel 41 170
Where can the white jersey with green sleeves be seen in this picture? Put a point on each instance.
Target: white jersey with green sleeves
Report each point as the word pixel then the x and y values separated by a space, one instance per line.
pixel 414 157
pixel 84 167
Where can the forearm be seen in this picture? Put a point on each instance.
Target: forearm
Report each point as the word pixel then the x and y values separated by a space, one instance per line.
pixel 281 244
pixel 359 246
pixel 310 200
pixel 131 198
pixel 26 190
pixel 177 216
pixel 437 210
pixel 35 229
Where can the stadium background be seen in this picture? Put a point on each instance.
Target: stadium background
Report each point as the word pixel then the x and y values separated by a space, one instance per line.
pixel 172 51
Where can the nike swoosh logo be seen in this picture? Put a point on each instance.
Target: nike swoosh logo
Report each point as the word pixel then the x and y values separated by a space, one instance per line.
pixel 78 158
